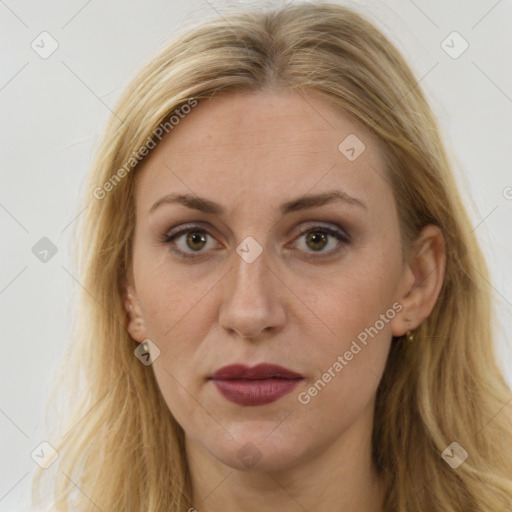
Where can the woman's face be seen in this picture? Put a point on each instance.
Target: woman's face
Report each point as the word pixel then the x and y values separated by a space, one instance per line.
pixel 270 272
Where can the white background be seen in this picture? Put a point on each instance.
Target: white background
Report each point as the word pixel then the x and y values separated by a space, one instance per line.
pixel 53 111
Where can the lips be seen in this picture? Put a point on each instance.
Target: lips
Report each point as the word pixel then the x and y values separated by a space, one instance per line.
pixel 259 385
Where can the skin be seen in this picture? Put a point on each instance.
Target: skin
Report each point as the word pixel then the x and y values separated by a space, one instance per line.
pixel 250 152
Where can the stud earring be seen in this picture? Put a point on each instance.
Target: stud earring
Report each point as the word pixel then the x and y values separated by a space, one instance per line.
pixel 409 335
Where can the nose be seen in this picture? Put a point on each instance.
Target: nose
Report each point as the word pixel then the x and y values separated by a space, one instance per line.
pixel 252 301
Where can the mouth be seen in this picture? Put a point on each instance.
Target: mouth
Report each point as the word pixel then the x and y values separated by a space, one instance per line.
pixel 259 385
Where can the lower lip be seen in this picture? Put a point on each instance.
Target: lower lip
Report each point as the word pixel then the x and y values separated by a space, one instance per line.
pixel 255 392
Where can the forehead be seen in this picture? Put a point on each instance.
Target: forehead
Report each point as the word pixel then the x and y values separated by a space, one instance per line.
pixel 260 146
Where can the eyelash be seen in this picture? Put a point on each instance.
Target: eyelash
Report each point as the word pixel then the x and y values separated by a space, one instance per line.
pixel 168 238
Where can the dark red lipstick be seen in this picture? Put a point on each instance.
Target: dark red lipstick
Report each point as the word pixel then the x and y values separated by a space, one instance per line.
pixel 259 385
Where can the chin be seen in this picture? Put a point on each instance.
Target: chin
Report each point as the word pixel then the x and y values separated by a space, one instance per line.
pixel 257 450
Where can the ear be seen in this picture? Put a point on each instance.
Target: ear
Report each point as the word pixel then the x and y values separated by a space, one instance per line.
pixel 136 326
pixel 422 280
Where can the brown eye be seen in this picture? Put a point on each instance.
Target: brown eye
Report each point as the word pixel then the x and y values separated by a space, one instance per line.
pixel 316 240
pixel 189 242
pixel 195 240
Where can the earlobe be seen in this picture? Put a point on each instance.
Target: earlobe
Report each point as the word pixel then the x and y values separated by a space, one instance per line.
pixel 136 326
pixel 423 279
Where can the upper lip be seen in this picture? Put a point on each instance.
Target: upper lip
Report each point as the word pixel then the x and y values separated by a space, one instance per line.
pixel 260 371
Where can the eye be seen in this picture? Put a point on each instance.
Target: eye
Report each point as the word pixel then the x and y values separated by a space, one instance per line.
pixel 318 238
pixel 189 241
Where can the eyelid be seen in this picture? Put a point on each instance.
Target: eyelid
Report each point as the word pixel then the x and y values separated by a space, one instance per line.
pixel 184 228
pixel 328 227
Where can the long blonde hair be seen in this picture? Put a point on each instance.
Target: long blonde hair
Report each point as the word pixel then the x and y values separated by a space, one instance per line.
pixel 120 448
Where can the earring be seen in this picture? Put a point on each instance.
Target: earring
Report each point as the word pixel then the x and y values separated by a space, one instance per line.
pixel 409 335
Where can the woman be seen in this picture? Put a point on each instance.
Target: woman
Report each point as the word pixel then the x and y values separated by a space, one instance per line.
pixel 283 304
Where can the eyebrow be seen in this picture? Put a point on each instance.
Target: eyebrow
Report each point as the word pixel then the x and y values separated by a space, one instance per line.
pixel 301 203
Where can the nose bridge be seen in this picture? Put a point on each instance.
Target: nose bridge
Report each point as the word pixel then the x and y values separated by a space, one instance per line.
pixel 250 279
pixel 250 303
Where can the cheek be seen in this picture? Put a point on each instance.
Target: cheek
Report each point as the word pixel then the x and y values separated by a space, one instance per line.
pixel 356 310
pixel 355 298
pixel 347 364
pixel 182 396
pixel 177 318
pixel 178 323
pixel 172 300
